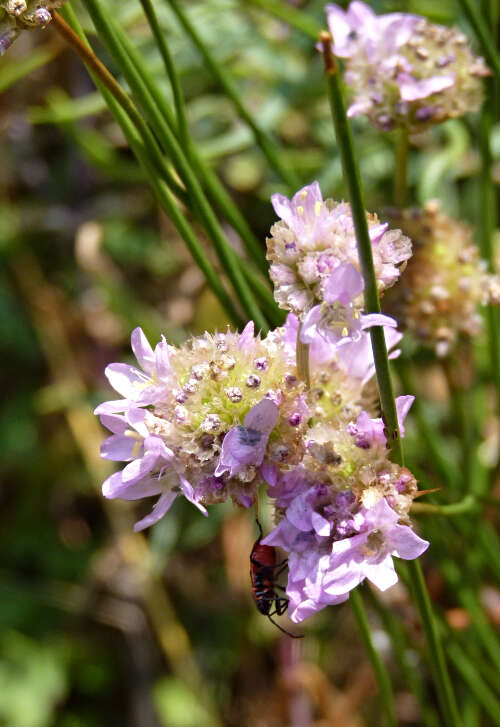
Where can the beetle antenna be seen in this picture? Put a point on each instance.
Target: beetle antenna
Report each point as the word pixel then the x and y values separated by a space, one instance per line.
pixel 293 636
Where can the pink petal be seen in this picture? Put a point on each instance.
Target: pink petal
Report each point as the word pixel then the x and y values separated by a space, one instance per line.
pixel 403 405
pixel 119 448
pixel 125 379
pixel 377 319
pixel 382 575
pixel 309 329
pixel 142 350
pixel 246 336
pixel 114 422
pixel 114 487
pixel 112 407
pixel 343 285
pixel 159 510
pixel 262 417
pixel 412 89
pixel 406 543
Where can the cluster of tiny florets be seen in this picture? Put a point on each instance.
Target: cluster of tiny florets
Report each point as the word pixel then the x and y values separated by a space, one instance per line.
pixel 315 265
pixel 404 71
pixel 439 295
pixel 18 15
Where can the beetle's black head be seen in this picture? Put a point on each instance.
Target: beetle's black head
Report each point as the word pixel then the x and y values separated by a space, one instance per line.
pixel 264 606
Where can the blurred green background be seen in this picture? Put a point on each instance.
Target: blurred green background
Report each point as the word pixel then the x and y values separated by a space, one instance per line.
pixel 99 626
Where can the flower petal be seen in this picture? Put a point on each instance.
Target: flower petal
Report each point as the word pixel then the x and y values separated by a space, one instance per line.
pixel 120 448
pixel 159 510
pixel 343 285
pixel 382 574
pixel 142 350
pixel 406 543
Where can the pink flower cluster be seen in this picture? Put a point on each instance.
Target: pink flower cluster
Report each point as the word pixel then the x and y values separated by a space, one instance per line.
pixel 402 70
pixel 224 413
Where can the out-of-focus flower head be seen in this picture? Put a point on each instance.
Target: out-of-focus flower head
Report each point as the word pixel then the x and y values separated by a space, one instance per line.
pixel 200 420
pixel 315 264
pixel 18 15
pixel 445 281
pixel 404 71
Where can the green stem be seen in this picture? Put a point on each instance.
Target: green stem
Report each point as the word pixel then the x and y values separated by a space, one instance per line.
pixel 372 303
pixel 410 672
pixel 468 504
pixel 473 15
pixel 381 674
pixel 215 188
pixel 262 138
pixel 486 224
pixel 284 11
pixel 401 170
pixel 114 100
pixel 439 668
pixel 353 183
pixel 182 122
pixel 108 81
pixel 302 357
pixel 111 34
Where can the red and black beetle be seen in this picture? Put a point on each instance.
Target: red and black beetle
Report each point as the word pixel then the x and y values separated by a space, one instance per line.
pixel 264 572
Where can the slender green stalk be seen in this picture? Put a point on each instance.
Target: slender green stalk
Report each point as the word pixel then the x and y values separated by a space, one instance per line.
pixel 474 682
pixel 109 82
pixel 410 672
pixel 302 356
pixel 372 303
pixel 401 171
pixel 142 152
pixel 473 15
pixel 294 17
pixel 108 31
pixel 353 183
pixel 182 122
pixel 262 138
pixel 486 224
pixel 381 674
pixel 468 504
pixel 214 186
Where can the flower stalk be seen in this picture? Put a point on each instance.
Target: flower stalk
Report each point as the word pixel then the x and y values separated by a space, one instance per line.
pixel 214 186
pixel 303 359
pixel 267 145
pixel 382 676
pixel 144 146
pixel 110 33
pixel 372 303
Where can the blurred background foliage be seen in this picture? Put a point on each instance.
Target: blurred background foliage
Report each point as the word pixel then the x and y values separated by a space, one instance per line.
pixel 100 626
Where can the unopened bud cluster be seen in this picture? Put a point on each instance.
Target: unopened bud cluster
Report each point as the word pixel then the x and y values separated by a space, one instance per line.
pixel 404 71
pixel 440 292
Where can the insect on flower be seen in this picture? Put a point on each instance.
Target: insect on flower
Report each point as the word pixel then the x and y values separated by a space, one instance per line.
pixel 264 572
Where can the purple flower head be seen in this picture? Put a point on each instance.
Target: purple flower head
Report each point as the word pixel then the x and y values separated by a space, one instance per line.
pixel 403 70
pixel 246 445
pixel 312 249
pixel 369 554
pixel 196 420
